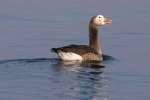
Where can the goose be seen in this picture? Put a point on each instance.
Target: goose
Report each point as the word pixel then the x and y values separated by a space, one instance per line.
pixel 91 52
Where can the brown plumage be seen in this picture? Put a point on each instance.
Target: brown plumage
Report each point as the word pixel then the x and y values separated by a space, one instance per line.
pixel 93 35
pixel 83 50
pixel 86 52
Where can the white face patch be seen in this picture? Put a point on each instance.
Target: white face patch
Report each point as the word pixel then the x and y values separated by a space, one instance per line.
pixel 69 56
pixel 100 16
pixel 101 19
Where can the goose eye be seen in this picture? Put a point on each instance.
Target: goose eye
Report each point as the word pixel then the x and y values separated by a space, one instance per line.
pixel 99 16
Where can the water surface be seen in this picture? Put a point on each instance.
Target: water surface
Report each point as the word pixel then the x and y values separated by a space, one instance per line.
pixel 29 71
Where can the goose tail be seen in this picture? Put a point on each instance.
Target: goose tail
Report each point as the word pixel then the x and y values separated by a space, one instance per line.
pixel 54 50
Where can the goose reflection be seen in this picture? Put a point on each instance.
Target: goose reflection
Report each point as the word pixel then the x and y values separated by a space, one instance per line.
pixel 90 85
pixel 77 66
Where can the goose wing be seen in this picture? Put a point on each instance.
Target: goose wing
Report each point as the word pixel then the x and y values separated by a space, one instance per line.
pixel 78 49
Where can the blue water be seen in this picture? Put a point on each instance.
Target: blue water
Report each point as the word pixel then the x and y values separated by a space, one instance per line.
pixel 30 28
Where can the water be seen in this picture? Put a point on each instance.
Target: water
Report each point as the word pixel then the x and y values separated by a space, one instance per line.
pixel 29 28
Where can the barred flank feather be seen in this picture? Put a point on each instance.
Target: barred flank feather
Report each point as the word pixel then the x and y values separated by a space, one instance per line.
pixel 77 52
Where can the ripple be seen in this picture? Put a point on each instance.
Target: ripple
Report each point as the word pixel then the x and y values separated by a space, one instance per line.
pixel 51 77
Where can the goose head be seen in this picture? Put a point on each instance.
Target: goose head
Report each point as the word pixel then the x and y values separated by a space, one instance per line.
pixel 100 20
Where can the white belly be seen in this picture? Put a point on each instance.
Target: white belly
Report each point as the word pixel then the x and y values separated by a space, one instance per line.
pixel 69 56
